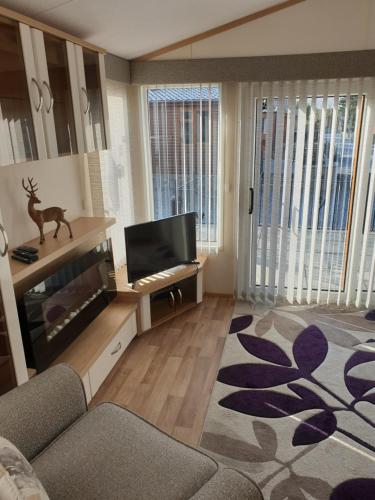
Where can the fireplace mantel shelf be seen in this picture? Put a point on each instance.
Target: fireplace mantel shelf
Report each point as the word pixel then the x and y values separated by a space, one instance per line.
pixel 84 229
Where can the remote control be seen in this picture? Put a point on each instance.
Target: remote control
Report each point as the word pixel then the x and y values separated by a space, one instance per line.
pixel 26 255
pixel 31 250
pixel 25 260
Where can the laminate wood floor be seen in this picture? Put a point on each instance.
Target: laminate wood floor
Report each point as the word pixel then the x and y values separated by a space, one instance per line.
pixel 167 374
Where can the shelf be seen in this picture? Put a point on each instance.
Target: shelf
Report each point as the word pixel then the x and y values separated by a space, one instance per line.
pixel 159 280
pixel 172 315
pixel 84 229
pixel 87 348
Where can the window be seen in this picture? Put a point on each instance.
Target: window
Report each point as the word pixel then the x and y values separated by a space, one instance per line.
pixel 187 127
pixel 183 140
pixel 202 123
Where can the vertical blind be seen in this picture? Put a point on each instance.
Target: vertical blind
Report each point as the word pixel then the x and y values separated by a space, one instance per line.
pixel 308 155
pixel 183 128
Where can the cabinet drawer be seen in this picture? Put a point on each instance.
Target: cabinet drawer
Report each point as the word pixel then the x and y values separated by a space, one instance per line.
pixel 107 360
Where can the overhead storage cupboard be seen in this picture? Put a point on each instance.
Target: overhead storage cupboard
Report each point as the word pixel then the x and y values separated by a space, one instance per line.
pixel 52 95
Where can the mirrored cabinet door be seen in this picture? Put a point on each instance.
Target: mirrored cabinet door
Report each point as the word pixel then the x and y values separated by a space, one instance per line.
pixel 90 66
pixel 17 136
pixel 59 98
pixel 13 369
pixel 94 95
pixel 7 374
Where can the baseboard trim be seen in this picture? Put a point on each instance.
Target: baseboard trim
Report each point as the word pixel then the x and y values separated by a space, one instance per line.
pixel 223 295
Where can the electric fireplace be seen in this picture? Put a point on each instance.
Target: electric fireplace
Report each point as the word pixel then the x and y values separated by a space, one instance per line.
pixel 56 310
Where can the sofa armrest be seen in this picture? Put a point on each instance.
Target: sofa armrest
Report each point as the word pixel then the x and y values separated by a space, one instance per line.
pixel 228 484
pixel 35 413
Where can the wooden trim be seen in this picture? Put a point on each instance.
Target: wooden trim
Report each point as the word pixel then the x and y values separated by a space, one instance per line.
pixel 16 16
pixel 31 372
pixel 219 29
pixel 87 348
pixel 219 295
pixel 160 280
pixel 353 190
pixel 83 228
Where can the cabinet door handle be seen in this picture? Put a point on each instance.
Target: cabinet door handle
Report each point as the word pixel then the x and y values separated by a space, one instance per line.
pixel 85 111
pixel 171 294
pixel 6 242
pixel 40 103
pixel 116 349
pixel 179 294
pixel 51 99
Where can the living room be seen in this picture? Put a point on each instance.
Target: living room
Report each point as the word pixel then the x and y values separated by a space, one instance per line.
pixel 187 258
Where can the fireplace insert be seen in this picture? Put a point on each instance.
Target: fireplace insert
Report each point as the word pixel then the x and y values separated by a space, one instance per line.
pixel 56 310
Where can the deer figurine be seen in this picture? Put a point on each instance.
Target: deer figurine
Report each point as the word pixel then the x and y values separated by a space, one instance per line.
pixel 47 215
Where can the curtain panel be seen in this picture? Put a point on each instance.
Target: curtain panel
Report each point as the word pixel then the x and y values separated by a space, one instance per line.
pixel 307 173
pixel 110 172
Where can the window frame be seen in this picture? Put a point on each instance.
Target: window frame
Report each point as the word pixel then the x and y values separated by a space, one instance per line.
pixel 203 246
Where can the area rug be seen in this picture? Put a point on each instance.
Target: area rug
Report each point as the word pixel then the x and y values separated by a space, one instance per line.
pixel 294 402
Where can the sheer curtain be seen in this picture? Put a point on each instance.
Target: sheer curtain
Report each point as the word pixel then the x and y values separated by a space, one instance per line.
pixel 307 176
pixel 182 129
pixel 110 172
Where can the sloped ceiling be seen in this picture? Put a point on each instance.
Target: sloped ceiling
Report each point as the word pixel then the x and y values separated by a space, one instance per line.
pixel 130 28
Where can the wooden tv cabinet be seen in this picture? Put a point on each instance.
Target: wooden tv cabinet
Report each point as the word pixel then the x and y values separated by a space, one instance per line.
pixel 164 295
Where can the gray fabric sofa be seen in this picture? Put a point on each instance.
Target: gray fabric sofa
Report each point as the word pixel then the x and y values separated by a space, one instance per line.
pixel 107 452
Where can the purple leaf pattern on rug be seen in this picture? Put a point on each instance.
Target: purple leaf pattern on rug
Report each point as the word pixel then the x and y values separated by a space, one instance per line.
pixel 370 398
pixel 361 488
pixel 263 403
pixel 358 386
pixel 240 323
pixel 310 349
pixel 315 429
pixel 257 376
pixel 264 349
pixel 309 396
pixel 282 386
pixel 370 316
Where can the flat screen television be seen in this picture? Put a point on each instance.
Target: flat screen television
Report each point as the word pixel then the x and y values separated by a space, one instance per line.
pixel 155 246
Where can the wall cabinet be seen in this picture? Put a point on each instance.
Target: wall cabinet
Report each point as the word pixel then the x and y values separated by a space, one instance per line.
pixel 93 100
pixel 13 369
pixel 52 96
pixel 17 133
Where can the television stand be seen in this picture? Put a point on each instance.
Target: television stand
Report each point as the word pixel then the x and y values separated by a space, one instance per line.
pixel 164 295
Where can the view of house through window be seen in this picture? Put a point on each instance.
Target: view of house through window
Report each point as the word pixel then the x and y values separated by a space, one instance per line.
pixel 184 150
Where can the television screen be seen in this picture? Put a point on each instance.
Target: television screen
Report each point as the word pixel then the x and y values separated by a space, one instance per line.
pixel 155 246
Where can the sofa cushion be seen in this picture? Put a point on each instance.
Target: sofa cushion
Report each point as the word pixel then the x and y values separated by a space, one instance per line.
pixel 111 453
pixel 228 484
pixel 33 414
pixel 17 478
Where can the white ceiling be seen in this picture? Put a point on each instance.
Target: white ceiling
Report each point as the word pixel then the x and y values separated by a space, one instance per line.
pixel 130 28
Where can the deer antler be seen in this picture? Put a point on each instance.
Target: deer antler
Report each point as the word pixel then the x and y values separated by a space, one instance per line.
pixel 31 189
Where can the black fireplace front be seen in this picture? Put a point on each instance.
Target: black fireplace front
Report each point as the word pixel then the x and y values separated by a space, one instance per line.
pixel 55 311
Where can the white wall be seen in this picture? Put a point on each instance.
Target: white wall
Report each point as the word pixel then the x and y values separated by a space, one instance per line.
pixel 220 272
pixel 59 182
pixel 308 27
